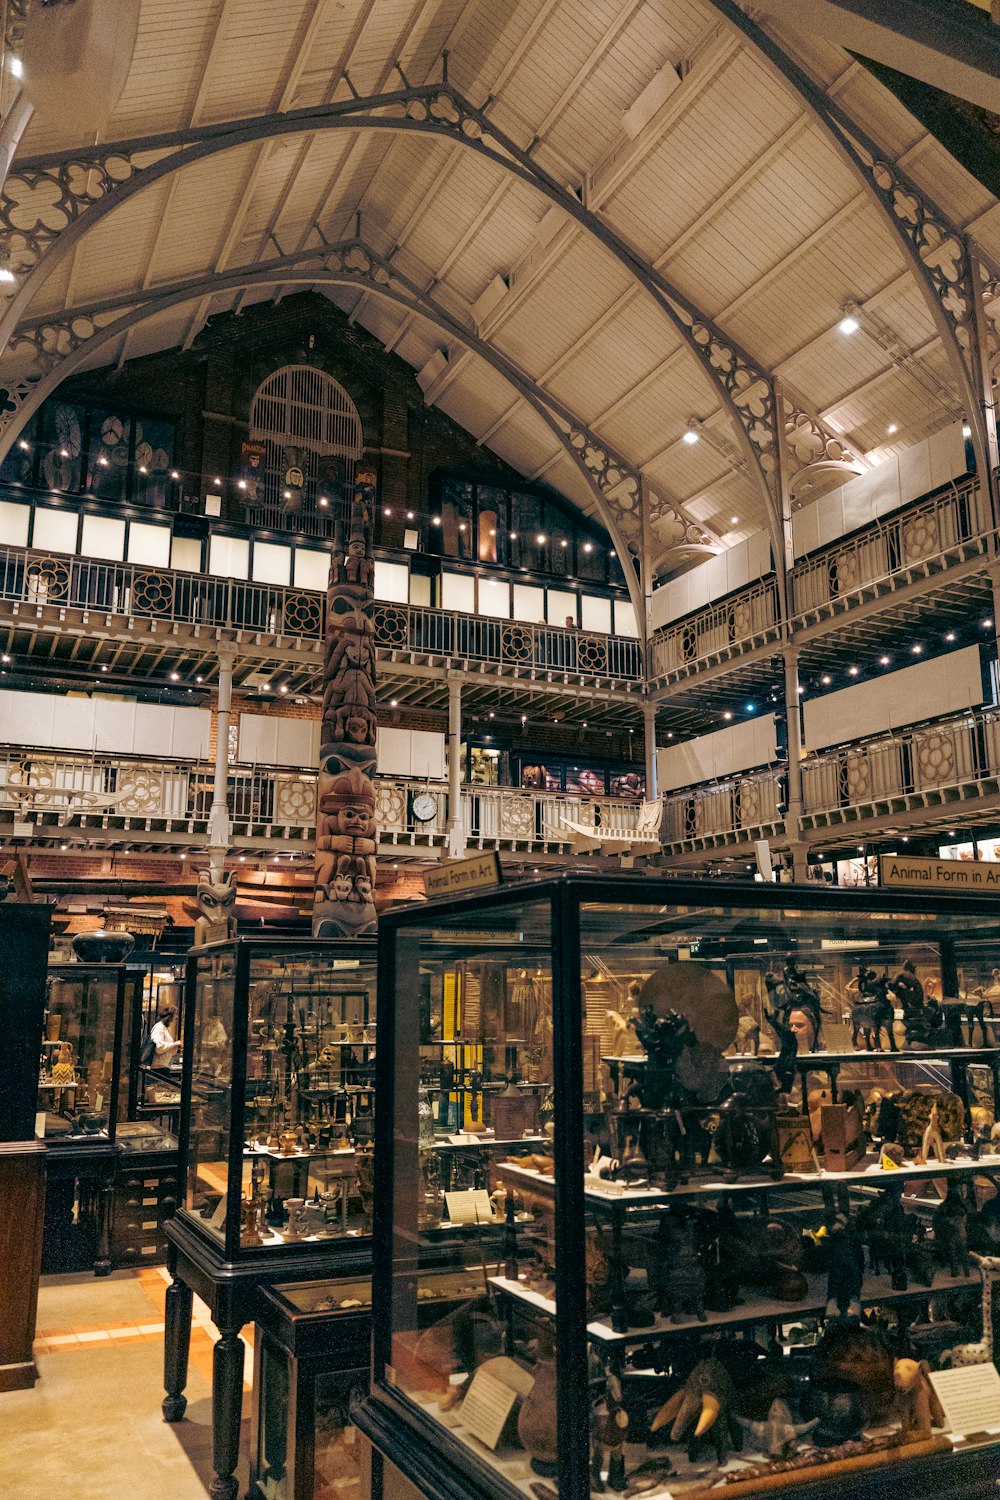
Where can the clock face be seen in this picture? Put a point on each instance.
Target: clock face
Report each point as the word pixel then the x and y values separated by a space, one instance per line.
pixel 424 807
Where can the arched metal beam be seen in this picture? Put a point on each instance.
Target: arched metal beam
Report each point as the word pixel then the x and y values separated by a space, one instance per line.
pixel 949 268
pixel 50 201
pixel 52 349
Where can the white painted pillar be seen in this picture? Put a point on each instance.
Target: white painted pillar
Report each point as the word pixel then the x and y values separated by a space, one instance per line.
pixel 455 830
pixel 219 830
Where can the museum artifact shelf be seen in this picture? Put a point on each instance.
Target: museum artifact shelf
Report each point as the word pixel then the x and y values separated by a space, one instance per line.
pixel 748 1279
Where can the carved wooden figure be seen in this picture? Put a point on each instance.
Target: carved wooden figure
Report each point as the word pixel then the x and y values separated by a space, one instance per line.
pixel 346 834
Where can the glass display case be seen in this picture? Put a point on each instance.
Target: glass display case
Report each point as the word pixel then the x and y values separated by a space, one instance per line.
pixel 278 1097
pixel 84 1068
pixel 748 1235
pixel 155 1081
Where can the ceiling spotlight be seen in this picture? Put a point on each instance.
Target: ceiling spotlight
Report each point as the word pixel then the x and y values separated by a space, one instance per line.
pixel 513 536
pixel 726 715
pixel 283 688
pixel 64 453
pixel 286 494
pixel 540 539
pixel 892 428
pixel 323 501
pixel 588 547
pixel 670 734
pixel 218 485
pixel 492 716
pixel 265 687
pixel 241 484
pixel 988 622
pixel 917 649
pixel 393 702
pixel 564 543
pixel 949 635
pixel 23 445
pixel 853 671
pixel 5 659
pixel 691 435
pixel 848 324
pixel 966 430
pixel 409 515
pixel 243 859
pixel 104 668
pixel 143 469
pixel 734 520
pixel 175 677
pixel 826 679
pixel 387 510
pixel 64 847
pixel 102 461
pixel 750 707
pixel 174 474
pixel 884 661
pixel 198 679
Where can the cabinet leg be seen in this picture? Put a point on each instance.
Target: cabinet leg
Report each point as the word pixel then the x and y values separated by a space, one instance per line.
pixel 227 1412
pixel 176 1343
pixel 104 1209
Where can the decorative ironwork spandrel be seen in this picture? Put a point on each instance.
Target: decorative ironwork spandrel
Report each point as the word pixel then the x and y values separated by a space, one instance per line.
pixel 346 831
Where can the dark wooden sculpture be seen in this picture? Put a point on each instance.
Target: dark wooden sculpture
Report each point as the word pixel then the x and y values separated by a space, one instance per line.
pixel 346 836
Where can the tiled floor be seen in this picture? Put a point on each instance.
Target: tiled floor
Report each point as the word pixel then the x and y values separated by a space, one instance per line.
pixel 92 1423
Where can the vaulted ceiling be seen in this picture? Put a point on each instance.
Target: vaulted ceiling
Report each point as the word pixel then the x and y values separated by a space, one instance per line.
pixel 666 122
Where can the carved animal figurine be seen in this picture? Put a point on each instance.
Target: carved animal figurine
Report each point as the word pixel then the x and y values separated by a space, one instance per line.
pixel 922 1017
pixel 608 1426
pixel 748 1036
pixel 216 897
pixel 679 1274
pixel 846 1270
pixel 920 1408
pixel 980 1353
pixel 968 1010
pixel 778 1435
pixel 950 1222
pixel 932 1143
pixel 702 1408
pixel 788 1050
pixel 872 1012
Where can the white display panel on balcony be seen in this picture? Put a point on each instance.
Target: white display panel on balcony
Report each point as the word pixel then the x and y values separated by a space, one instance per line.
pixel 945 685
pixel 560 606
pixel 595 614
pixel 54 530
pixel 625 621
pixel 711 580
pixel 272 563
pixel 104 724
pixel 458 592
pixel 273 740
pixel 392 582
pixel 14 524
pixel 494 598
pixel 411 752
pixel 529 603
pixel 746 745
pixel 229 556
pixel 185 554
pixel 103 537
pixel 149 545
pixel 312 568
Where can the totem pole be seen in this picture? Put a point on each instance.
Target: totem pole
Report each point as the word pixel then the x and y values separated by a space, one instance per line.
pixel 346 836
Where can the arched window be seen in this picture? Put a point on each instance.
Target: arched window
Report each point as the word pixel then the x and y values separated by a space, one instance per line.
pixel 305 444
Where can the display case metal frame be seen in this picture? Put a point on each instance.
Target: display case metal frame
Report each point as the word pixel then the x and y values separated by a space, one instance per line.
pixel 81 1170
pixel 422 1448
pixel 225 1277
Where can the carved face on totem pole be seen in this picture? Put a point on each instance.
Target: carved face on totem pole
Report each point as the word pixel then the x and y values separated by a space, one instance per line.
pixel 216 897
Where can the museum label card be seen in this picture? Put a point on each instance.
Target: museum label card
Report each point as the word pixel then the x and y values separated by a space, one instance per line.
pixel 970 1396
pixel 470 1207
pixel 487 1407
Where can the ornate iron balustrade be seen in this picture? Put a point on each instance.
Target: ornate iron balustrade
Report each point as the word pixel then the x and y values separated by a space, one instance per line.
pixel 54 790
pixel 132 591
pixel 921 766
pixel 737 624
pixel 742 806
pixel 921 539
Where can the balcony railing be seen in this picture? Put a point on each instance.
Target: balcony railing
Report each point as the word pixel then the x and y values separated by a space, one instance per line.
pixel 742 806
pixel 924 538
pixel 134 592
pixel 737 624
pixel 53 791
pixel 947 760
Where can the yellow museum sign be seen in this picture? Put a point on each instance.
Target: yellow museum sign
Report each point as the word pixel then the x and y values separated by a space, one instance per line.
pixel 939 874
pixel 456 877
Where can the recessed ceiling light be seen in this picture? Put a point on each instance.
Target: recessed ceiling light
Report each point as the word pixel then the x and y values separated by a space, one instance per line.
pixel 950 635
pixel 848 324
pixel 884 661
pixel 853 671
pixel 826 679
pixel 893 427
pixel 690 436
pixel 917 649
pixel 734 520
pixel 987 623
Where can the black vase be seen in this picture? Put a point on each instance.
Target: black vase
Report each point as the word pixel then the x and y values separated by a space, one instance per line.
pixel 103 947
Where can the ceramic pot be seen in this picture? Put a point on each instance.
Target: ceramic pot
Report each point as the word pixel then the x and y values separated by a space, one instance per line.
pixel 103 947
